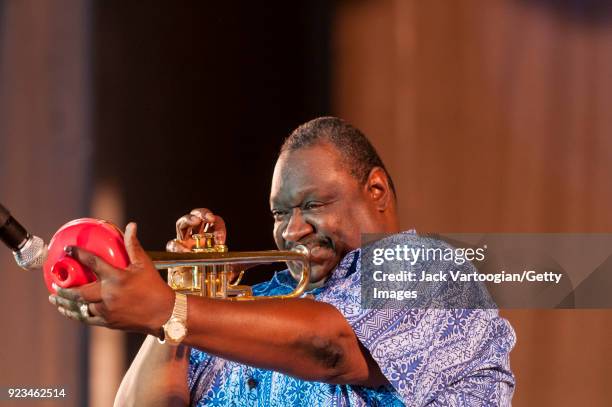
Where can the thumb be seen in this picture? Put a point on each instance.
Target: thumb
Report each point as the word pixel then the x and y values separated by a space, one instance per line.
pixel 135 251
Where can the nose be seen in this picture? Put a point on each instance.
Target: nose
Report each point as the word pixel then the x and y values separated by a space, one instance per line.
pixel 296 228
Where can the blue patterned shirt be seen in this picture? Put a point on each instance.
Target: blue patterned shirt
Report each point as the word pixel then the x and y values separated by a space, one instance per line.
pixel 434 357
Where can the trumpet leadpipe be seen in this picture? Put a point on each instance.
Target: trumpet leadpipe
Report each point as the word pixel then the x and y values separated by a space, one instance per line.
pixel 164 260
pixel 207 273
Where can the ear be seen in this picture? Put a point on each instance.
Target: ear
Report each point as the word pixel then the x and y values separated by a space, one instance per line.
pixel 378 189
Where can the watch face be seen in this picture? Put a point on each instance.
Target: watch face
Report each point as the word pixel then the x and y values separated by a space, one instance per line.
pixel 175 329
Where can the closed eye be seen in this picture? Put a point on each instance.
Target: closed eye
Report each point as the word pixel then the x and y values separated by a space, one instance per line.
pixel 313 205
pixel 278 214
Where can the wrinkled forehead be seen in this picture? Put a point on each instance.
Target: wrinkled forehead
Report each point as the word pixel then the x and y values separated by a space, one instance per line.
pixel 312 168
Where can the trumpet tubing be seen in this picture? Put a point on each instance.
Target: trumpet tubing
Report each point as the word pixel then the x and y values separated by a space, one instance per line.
pixel 208 270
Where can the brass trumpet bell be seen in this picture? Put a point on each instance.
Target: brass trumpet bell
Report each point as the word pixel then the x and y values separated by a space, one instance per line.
pixel 208 269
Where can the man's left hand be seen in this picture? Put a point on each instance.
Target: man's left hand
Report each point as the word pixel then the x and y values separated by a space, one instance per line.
pixel 134 299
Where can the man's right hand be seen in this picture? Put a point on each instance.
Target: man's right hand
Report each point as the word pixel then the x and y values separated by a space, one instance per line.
pixel 195 222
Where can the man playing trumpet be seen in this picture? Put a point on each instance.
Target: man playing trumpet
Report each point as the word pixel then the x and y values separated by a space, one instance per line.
pixel 329 187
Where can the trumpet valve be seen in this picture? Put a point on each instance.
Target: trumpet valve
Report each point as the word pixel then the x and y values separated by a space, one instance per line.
pixel 205 243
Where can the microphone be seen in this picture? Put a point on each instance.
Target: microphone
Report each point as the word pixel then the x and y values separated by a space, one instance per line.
pixel 30 251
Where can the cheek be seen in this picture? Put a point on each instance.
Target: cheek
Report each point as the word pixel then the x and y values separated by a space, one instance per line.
pixel 331 227
pixel 345 231
pixel 277 233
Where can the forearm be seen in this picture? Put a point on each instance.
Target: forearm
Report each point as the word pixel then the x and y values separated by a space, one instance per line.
pixel 303 338
pixel 157 377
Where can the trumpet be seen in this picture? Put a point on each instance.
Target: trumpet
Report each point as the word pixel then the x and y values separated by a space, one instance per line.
pixel 207 270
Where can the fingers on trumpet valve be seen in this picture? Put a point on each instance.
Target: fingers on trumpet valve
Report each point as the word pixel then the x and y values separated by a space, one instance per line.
pixel 178 246
pixel 197 221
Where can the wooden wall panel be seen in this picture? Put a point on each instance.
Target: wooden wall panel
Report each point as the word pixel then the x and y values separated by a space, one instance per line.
pixel 494 116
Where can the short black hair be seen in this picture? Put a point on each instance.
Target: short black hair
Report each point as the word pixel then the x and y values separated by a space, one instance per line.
pixel 357 152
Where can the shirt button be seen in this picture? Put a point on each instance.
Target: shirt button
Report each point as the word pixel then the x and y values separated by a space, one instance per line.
pixel 252 383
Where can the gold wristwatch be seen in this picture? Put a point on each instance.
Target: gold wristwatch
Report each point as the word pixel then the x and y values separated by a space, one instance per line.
pixel 175 330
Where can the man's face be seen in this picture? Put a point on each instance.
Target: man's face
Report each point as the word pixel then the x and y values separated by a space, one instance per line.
pixel 318 203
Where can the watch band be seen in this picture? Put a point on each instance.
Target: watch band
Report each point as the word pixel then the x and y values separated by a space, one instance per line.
pixel 180 307
pixel 179 314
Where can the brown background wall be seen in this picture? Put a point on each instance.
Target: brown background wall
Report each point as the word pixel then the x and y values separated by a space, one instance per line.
pixel 44 173
pixel 494 116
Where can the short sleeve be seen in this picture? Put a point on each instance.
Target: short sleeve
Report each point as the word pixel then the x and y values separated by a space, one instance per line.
pixel 444 356
pixel 200 368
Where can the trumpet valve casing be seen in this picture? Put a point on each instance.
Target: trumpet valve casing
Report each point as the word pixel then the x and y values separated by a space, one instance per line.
pixel 210 281
pixel 209 269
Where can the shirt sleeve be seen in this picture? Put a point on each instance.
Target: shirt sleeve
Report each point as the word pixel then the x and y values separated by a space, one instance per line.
pixel 433 356
pixel 200 372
